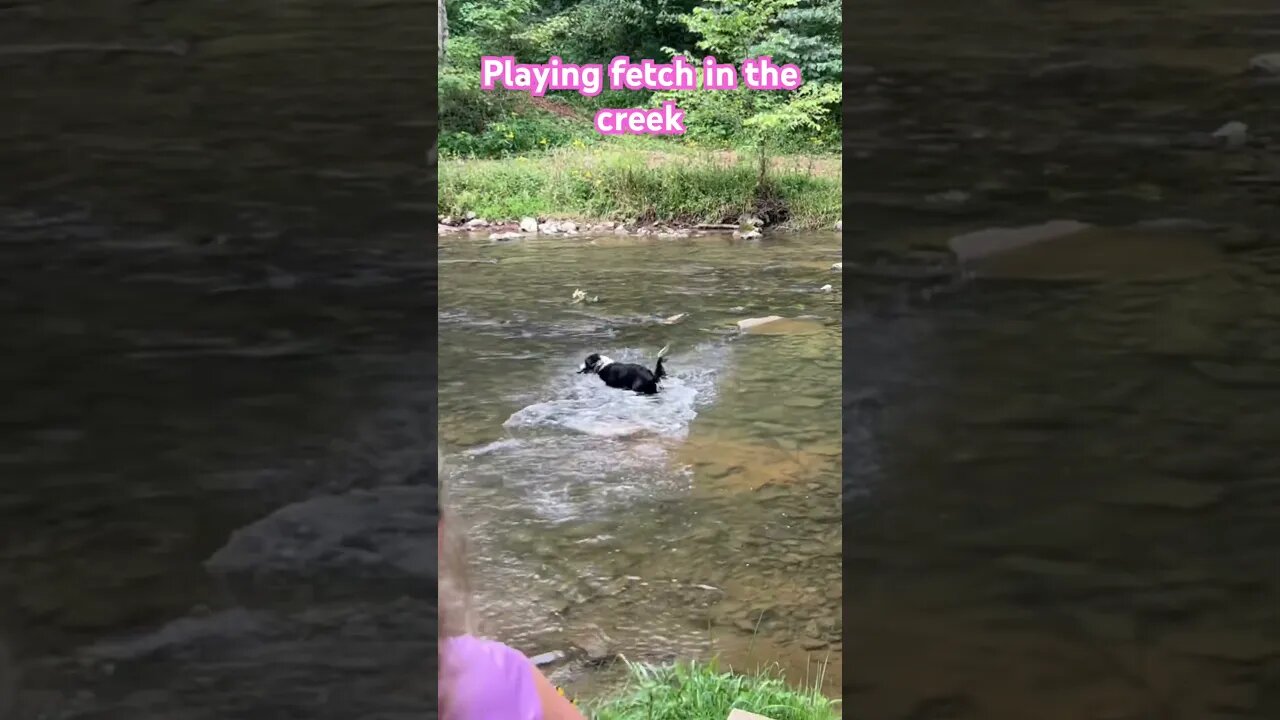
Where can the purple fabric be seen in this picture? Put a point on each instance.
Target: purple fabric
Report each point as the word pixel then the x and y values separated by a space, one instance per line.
pixel 489 681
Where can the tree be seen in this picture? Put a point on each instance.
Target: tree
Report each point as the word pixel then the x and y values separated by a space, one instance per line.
pixel 442 30
pixel 805 32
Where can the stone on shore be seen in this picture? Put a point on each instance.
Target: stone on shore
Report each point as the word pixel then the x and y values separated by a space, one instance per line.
pixel 528 225
pixel 546 658
pixel 594 645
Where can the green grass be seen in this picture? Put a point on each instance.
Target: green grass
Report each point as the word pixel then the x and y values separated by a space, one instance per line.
pixel 644 182
pixel 702 691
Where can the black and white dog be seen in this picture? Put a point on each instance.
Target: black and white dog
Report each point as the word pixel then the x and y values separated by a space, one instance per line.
pixel 626 376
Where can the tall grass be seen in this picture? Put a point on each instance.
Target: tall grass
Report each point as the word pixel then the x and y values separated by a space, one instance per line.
pixel 701 691
pixel 635 184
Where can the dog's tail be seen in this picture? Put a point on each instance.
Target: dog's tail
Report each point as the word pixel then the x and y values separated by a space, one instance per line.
pixel 660 372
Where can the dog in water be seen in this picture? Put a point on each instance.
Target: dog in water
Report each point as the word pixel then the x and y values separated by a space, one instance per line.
pixel 626 376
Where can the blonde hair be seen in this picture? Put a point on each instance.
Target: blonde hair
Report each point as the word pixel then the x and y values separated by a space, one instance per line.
pixel 453 595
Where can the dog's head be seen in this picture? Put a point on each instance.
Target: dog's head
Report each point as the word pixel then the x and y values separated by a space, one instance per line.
pixel 593 363
pixel 589 365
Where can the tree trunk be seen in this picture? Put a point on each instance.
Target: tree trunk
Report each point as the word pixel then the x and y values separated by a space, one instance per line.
pixel 442 31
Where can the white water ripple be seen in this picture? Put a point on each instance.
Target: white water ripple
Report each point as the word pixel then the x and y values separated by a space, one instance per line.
pixel 588 449
pixel 583 404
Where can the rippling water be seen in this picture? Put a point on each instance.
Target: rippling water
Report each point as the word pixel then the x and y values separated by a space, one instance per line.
pixel 673 523
pixel 1060 493
pixel 212 285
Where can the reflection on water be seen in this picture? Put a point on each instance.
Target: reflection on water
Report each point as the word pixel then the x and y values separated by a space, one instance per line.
pixel 1061 496
pixel 212 286
pixel 1068 501
pixel 677 523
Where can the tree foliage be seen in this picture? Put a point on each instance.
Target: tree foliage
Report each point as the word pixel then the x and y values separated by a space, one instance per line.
pixel 804 32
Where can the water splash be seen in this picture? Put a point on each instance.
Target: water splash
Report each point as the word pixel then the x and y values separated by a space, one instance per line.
pixel 585 405
pixel 590 449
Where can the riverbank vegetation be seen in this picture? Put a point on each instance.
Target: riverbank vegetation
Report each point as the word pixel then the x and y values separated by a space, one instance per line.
pixel 744 151
pixel 641 184
pixel 702 691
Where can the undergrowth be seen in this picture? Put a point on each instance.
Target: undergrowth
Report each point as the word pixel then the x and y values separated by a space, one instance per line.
pixel 636 184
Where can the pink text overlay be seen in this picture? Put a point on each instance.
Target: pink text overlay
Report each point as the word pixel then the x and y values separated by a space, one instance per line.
pixel 622 74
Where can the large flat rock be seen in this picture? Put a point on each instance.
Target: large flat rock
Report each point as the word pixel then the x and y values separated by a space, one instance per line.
pixel 1069 251
pixel 991 241
pixel 353 541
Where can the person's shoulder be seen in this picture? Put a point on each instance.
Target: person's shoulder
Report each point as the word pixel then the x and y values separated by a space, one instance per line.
pixel 474 650
pixel 490 680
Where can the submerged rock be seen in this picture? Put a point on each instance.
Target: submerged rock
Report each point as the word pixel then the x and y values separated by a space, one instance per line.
pixel 749 323
pixel 1234 134
pixel 183 634
pixel 500 236
pixel 778 325
pixel 386 535
pixel 983 243
pixel 1267 64
pixel 1077 253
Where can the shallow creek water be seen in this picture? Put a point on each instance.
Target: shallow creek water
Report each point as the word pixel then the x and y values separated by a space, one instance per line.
pixel 1061 495
pixel 702 521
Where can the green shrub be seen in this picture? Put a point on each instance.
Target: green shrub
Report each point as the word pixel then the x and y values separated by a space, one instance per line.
pixel 465 108
pixel 514 135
